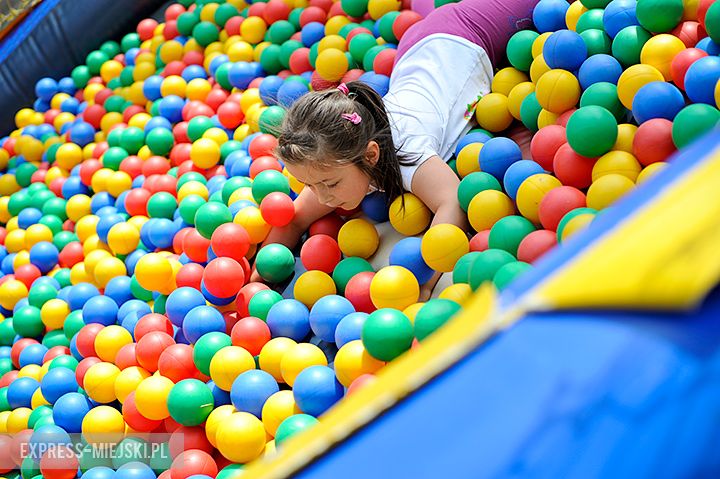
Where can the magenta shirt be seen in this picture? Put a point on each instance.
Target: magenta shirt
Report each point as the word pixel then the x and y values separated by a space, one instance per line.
pixel 487 23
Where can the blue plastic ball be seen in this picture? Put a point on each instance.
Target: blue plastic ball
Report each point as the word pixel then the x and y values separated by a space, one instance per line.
pixel 599 68
pixel 101 200
pixel 657 100
pixel 29 217
pixel 268 89
pixel 251 389
pixel 240 74
pixel 67 85
pixel 549 15
pixel 565 49
pixel 135 470
pixel 99 472
pixel 474 137
pixel 46 88
pixel 701 78
pixel 202 320
pixel 326 313
pixel 44 255
pixel 57 382
pixel 157 122
pixel 220 396
pixel 374 206
pixel 349 328
pixel 136 306
pixel 619 14
pixel 80 294
pixel 100 309
pixel 497 155
pixel 32 354
pixel 118 289
pixel 180 302
pixel 709 46
pixel 290 91
pixel 191 72
pixel 312 33
pixel 517 173
pixel 161 231
pixel 316 389
pixel 151 87
pixel 171 107
pixel 407 253
pixel 105 223
pixel 20 392
pixel 82 133
pixel 289 318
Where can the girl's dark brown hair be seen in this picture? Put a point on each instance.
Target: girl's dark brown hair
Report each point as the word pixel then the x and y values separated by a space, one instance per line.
pixel 314 132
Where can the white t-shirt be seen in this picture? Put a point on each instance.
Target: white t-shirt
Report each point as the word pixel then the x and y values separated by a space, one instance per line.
pixel 431 87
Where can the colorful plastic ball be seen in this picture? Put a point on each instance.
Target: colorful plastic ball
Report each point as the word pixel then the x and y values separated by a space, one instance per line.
pixel 468 159
pixel 531 193
pixel 408 254
pixel 251 390
pixel 497 155
pixel 653 141
pixel 619 14
pixel 227 364
pixel 299 357
pixel 150 347
pixel 657 100
pixel 358 237
pixel 545 144
pixel 692 122
pixel 433 315
pixel 565 49
pixel 320 252
pixel 316 390
pixel 473 184
pixel 251 333
pixel 394 287
pixel 409 215
pixel 635 78
pixel 386 334
pixel 486 208
pixel 605 95
pixel 549 15
pixel 619 162
pixel 44 256
pixel 100 309
pixel 223 277
pixel 507 274
pixel 517 173
pixel 275 263
pixel 109 340
pixel 557 202
pixel 628 44
pixel 180 302
pixel 572 169
pixel 327 313
pixel 599 68
pixel 241 437
pixel 200 321
pixel 277 209
pixel 659 16
pixel 289 318
pixel 519 49
pixel 210 216
pixel 191 462
pixel 484 265
pixel 607 189
pixel 190 402
pixel 508 232
pixel 682 62
pixel 701 78
pixel 660 51
pixel 101 423
pixel 535 245
pixel 492 112
pixel 597 120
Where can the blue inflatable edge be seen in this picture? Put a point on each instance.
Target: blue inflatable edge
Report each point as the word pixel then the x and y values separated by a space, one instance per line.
pixel 25 28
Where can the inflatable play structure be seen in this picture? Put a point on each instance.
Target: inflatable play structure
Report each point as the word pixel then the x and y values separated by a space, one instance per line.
pixel 575 335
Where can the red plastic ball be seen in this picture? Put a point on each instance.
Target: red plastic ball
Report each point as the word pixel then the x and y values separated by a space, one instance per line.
pixel 170 425
pixel 352 75
pixel 8 377
pixel 479 242
pixel 134 419
pixel 125 357
pixel 93 114
pixel 83 367
pixel 263 163
pixel 318 83
pixel 176 363
pixel 536 244
pixel 152 322
pixel 71 254
pixel 85 341
pixel 324 4
pixel 189 275
pixel 277 209
pixel 215 98
pixel 702 9
pixel 230 114
pixel 149 348
pixel 60 462
pixel 18 347
pixel 257 9
pixel 136 201
pixel 653 141
pixel 99 149
pixel 131 111
pixel 175 68
pixel 312 14
pixel 360 382
pixel 179 238
pixel 545 145
pixel 171 30
pixel 250 333
pixel 232 26
pixel 196 246
pixel 157 183
pixel 572 169
pixel 187 438
pixel 405 20
pixel 357 291
pixel 132 165
pixel 192 462
pixel 276 10
pixel 320 252
pixel 56 351
pixel 327 225
pixel 88 169
pixel 230 240
pixel 223 277
pixel 174 11
pixel 245 295
pixel 565 117
pixel 155 165
pixel 180 134
pixel 384 61
pixel 681 63
pixel 690 33
pixel 557 202
pixel 300 61
pixel 262 145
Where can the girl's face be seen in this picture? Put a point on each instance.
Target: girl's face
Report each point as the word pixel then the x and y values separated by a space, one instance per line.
pixel 338 187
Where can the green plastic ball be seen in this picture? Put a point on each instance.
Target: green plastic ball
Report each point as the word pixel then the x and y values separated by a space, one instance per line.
pixel 159 304
pixel 37 414
pixel 346 269
pixel 461 271
pixel 6 364
pixel 692 122
pixel 271 119
pixel 110 48
pixel 507 233
pixel 507 273
pixel 287 49
pixel 132 139
pixel 18 202
pixel 205 33
pixel 160 141
pixel 486 264
pixel 198 126
pixel 27 322
pixel 161 205
pixel 55 206
pixel 270 59
pixel 659 16
pixel 64 361
pixel 113 157
pixel 23 174
pixel 275 263
pixel 267 182
pixel 131 40
pixel 385 27
pixel 360 44
pixel 387 333
pixel 54 338
pixel 293 425
pixel 80 76
pixel 597 42
pixel 570 215
pixel 224 13
pixel 604 94
pixel 189 206
pixel 190 176
pixel 592 131
pixel 232 185
pixel 95 60
pixel 190 402
pixel 211 215
pixel 262 301
pixel 89 458
pixel 592 19
pixel 519 49
pixel 280 32
pixel 712 22
pixel 530 110
pixel 4 404
pixel 354 8
pixel 473 184
pixel 432 315
pixel 62 276
pixel 73 323
pixel 628 44
pixel 63 238
pixel 138 291
pixel 40 294
pixel 116 104
pixel 370 55
pixel 206 347
pixel 29 468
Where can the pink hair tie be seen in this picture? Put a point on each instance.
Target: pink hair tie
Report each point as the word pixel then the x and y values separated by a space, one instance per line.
pixel 353 117
pixel 344 89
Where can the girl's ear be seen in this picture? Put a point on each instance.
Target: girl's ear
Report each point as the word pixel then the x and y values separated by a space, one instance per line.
pixel 372 153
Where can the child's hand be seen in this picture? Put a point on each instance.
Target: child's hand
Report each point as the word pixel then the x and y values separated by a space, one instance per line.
pixel 522 136
pixel 426 289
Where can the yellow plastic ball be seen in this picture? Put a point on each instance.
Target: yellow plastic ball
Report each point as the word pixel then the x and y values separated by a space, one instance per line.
pixel 607 189
pixel 539 43
pixel 253 29
pixel 352 361
pixel 378 8
pixel 94 243
pixel 123 238
pixel 244 193
pixel 11 292
pixel 443 245
pixel 459 293
pixel 249 97
pixel 331 64
pixel 241 437
pixel 38 399
pixel 228 363
pixel 558 91
pixel 660 51
pixel 358 237
pixel 23 117
pixel 4 415
pixel 30 371
pixel 62 119
pixel 18 419
pixel 299 357
pixel 218 416
pixel 507 79
pixel 626 135
pixel 99 382
pixel 240 52
pixel 15 241
pixel 531 193
pixel 8 185
pixel 128 380
pixel 650 170
pixel 276 409
pixel 100 179
pixel 77 207
pixel 110 69
pixel 79 275
pixel 394 287
pixel 313 285
pixel 21 258
pixel 617 162
pixel 153 270
pixel 93 258
pixel 36 234
pixel 332 41
pixel 118 182
pixel 493 113
pixel 334 24
pixel 197 89
pixel 573 14
pixel 412 218
pixel 251 219
pixel 109 341
pixel 193 188
pixel 271 356
pixel 634 78
pixel 54 312
pixel 241 132
pixel 517 96
pixel 717 94
pixel 487 207
pixel 101 423
pixel 205 153
pixel 575 225
pixel 151 397
pixel 468 159
pixel 547 118
pixel 538 68
pixel 170 51
pixel 412 311
pixel 173 85
pixel 59 98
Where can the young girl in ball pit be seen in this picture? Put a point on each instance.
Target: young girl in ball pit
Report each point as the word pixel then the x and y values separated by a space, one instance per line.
pixel 346 142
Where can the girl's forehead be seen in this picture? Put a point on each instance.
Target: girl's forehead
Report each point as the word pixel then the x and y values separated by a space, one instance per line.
pixel 311 174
